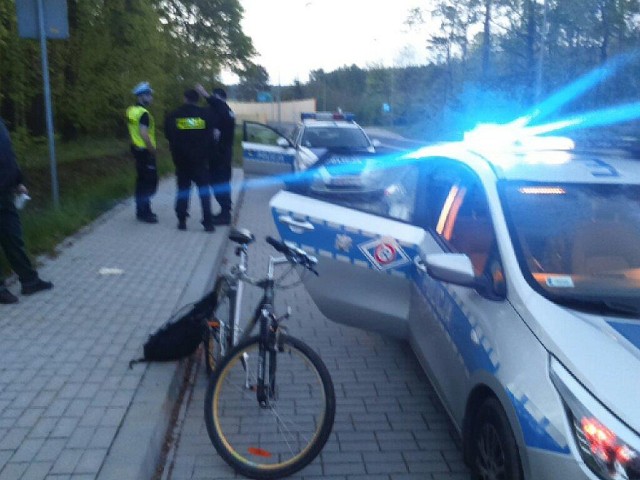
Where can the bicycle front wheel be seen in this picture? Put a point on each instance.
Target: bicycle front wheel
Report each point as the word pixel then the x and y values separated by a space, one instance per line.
pixel 279 438
pixel 218 338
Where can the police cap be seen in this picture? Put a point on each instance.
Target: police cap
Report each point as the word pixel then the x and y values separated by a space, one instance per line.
pixel 142 88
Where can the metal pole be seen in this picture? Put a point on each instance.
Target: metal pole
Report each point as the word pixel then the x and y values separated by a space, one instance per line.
pixel 279 102
pixel 47 105
pixel 543 46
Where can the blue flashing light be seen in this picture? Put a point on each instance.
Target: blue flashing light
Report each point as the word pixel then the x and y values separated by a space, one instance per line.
pixel 511 144
pixel 328 116
pixel 514 138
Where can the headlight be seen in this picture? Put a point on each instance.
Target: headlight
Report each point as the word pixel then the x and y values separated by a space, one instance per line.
pixel 607 446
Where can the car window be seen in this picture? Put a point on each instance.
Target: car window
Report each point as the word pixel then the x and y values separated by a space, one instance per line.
pixel 394 196
pixel 259 133
pixel 465 224
pixel 334 137
pixel 578 241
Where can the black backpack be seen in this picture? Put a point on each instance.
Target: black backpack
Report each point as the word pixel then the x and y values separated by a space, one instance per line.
pixel 180 335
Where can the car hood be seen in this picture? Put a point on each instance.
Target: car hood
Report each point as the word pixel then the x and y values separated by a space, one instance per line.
pixel 340 155
pixel 602 352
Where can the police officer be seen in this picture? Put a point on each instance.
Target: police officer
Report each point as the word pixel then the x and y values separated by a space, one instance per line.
pixel 224 124
pixel 190 135
pixel 11 183
pixel 143 146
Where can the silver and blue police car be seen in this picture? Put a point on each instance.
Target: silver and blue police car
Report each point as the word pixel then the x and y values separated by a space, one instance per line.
pixel 327 153
pixel 514 272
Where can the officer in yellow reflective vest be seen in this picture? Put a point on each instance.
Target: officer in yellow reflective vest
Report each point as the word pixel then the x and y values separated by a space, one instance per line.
pixel 190 133
pixel 143 146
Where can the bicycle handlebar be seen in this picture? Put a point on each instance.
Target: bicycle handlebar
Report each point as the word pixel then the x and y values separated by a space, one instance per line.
pixel 294 254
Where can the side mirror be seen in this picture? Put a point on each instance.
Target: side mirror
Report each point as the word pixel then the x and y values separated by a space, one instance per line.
pixel 456 268
pixel 376 143
pixel 453 268
pixel 282 142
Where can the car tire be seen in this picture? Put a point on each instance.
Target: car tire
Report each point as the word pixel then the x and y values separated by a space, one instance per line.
pixel 494 451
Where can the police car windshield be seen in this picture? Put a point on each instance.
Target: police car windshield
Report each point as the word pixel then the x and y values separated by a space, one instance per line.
pixel 334 137
pixel 578 244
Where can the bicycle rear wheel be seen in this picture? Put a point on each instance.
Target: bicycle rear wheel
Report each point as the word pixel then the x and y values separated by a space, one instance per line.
pixel 220 326
pixel 281 438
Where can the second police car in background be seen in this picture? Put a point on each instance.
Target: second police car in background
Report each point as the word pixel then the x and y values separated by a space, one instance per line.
pixel 327 153
pixel 515 276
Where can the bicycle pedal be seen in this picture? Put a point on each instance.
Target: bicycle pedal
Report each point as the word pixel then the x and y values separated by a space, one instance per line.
pixel 213 324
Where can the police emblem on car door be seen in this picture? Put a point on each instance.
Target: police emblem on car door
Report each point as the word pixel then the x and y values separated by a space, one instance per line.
pixel 265 150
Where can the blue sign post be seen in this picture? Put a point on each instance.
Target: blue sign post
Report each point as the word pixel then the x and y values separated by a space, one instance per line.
pixel 37 19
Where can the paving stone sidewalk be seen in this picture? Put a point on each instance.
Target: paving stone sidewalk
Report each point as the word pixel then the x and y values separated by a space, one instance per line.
pixel 389 425
pixel 70 406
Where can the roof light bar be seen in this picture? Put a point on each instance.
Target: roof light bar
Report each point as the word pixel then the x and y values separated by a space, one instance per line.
pixel 328 116
pixel 514 138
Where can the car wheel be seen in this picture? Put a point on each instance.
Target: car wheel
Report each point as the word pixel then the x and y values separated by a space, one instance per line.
pixel 495 454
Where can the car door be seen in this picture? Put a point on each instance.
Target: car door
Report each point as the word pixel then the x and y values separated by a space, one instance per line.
pixel 265 150
pixel 365 249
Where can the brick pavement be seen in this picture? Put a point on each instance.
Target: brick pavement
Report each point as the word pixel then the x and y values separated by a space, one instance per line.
pixel 67 397
pixel 389 423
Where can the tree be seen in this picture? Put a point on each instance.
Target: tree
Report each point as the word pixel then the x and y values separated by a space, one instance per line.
pixel 253 79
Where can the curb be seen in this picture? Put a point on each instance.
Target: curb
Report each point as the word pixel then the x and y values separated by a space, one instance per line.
pixel 140 442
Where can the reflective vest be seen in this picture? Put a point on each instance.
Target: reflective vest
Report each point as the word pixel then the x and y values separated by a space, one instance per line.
pixel 134 113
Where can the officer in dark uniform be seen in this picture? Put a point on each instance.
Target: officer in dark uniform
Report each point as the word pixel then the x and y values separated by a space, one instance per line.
pixel 142 131
pixel 224 124
pixel 190 134
pixel 11 183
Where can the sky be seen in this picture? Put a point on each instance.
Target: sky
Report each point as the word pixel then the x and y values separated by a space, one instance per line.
pixel 293 37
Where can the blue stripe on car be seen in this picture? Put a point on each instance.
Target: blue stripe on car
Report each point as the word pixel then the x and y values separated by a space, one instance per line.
pixel 269 157
pixel 629 330
pixel 323 243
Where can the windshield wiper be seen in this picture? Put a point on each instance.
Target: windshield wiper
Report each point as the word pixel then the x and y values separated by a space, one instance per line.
pixel 622 307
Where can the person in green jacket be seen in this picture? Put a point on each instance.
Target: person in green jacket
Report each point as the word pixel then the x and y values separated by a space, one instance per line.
pixel 142 131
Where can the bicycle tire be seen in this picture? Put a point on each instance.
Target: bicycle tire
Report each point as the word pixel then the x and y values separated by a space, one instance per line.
pixel 214 334
pixel 246 435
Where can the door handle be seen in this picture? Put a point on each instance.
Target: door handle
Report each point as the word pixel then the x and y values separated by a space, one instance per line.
pixel 296 226
pixel 419 263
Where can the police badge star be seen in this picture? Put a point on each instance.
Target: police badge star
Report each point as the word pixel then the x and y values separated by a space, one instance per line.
pixel 343 242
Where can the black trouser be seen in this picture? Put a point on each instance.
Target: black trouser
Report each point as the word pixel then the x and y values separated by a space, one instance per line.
pixel 12 242
pixel 184 177
pixel 220 170
pixel 146 181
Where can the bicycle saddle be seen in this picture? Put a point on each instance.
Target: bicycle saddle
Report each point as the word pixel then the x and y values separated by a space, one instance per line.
pixel 241 236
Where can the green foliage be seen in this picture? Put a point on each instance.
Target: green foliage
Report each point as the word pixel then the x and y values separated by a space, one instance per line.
pixel 112 46
pixel 492 60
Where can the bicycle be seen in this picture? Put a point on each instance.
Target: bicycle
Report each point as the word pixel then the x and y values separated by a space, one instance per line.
pixel 223 322
pixel 270 403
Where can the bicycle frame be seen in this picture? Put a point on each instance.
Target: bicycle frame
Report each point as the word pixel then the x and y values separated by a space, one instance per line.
pixel 269 329
pixel 235 279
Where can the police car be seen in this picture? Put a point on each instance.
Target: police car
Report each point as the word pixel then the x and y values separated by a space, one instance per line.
pixel 327 153
pixel 513 269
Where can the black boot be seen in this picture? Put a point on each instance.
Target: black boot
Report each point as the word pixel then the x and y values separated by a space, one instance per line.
pixel 223 218
pixel 6 297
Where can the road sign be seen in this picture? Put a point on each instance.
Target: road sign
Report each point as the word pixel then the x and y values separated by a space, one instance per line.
pixel 42 20
pixel 56 24
pixel 263 97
